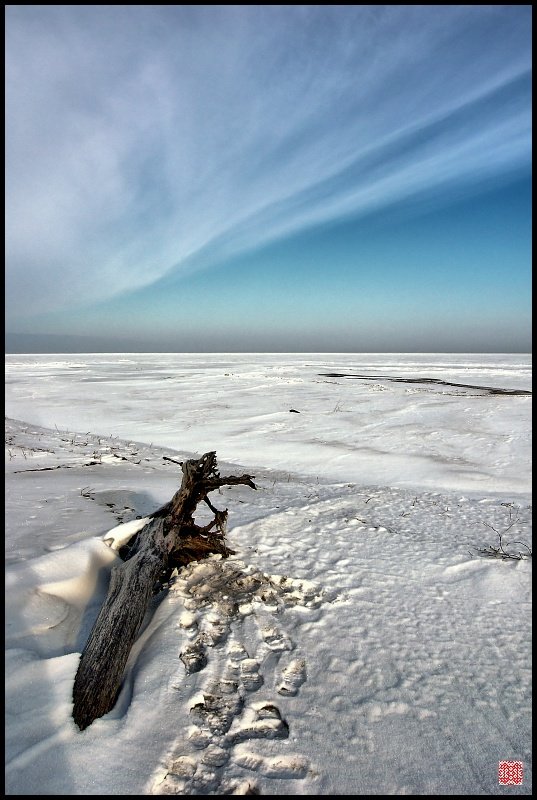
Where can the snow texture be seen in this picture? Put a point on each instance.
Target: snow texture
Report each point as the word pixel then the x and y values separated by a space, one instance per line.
pixel 356 643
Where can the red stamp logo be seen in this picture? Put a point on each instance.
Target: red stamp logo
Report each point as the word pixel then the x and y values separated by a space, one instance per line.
pixel 510 773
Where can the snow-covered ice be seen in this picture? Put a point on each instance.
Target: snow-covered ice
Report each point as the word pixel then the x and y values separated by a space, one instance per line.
pixel 356 643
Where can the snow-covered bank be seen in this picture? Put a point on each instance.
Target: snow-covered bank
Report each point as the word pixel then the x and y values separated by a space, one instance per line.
pixel 355 644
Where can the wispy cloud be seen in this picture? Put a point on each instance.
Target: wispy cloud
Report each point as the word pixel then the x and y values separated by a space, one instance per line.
pixel 143 139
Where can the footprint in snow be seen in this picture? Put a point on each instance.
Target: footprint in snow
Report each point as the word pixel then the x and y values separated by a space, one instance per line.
pixel 225 714
pixel 293 676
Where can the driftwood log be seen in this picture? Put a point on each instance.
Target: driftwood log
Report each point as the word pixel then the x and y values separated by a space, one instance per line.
pixel 170 539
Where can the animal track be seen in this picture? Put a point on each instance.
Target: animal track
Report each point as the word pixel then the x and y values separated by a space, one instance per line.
pixel 218 595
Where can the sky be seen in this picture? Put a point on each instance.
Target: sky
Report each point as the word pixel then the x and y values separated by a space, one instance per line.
pixel 268 178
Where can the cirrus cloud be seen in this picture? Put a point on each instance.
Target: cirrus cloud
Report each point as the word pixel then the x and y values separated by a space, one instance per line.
pixel 145 140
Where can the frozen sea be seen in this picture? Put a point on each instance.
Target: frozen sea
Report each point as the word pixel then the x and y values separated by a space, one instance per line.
pixel 348 429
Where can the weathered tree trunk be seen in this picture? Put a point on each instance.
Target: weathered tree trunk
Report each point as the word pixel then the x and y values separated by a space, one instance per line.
pixel 171 539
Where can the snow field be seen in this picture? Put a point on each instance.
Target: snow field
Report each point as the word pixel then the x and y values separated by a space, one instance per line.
pixel 356 643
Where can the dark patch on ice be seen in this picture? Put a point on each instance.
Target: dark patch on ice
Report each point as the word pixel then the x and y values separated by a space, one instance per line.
pixel 484 389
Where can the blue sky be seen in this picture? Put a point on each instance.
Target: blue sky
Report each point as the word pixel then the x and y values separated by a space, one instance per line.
pixel 269 178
